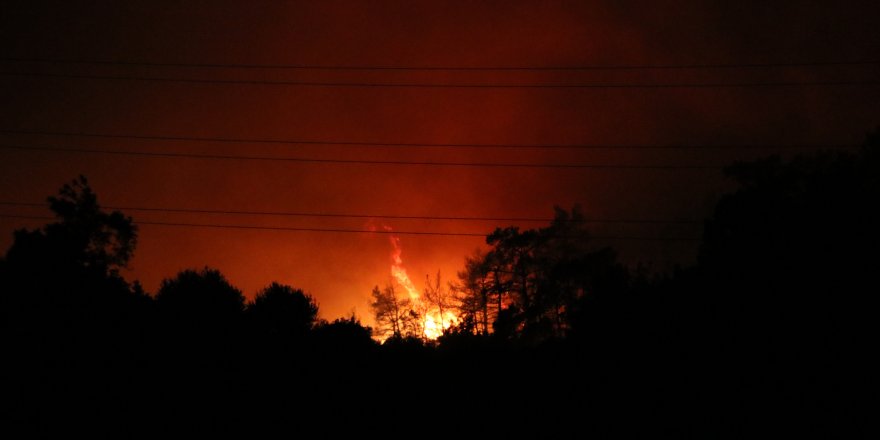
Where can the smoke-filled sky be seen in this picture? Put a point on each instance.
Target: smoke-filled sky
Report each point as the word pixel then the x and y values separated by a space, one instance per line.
pixel 46 89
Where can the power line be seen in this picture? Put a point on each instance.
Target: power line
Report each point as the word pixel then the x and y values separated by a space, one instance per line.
pixel 270 228
pixel 263 82
pixel 352 231
pixel 443 68
pixel 346 215
pixel 422 144
pixel 178 155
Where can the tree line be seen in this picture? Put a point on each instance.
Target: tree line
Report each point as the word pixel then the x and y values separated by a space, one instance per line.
pixel 68 274
pixel 771 324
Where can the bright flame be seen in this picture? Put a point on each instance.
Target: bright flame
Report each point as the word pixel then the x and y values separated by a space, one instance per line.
pixel 399 272
pixel 434 323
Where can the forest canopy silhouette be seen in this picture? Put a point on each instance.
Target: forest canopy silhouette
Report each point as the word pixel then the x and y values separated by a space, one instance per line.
pixel 776 304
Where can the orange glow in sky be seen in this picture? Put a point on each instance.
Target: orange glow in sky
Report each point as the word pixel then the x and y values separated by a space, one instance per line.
pixel 285 120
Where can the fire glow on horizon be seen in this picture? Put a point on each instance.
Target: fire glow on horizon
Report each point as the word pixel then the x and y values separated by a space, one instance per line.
pixel 433 322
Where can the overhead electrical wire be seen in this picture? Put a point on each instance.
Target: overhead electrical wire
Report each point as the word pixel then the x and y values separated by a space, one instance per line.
pixel 600 67
pixel 362 84
pixel 399 144
pixel 349 215
pixel 181 155
pixel 428 85
pixel 353 231
pixel 423 144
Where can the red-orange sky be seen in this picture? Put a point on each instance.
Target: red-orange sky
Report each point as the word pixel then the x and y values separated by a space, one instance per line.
pixel 340 269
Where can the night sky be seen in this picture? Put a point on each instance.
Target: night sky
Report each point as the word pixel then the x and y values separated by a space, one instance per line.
pixel 43 44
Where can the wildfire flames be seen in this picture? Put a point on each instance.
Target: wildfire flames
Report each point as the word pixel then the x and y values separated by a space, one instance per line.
pixel 399 272
pixel 433 322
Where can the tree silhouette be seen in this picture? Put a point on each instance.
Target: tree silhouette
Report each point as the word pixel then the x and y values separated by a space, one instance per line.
pixel 471 293
pixel 71 327
pixel 68 271
pixel 345 335
pixel 200 303
pixel 775 316
pixel 789 253
pixel 536 279
pixel 510 263
pixel 394 316
pixel 84 235
pixel 104 240
pixel 280 311
pixel 439 298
